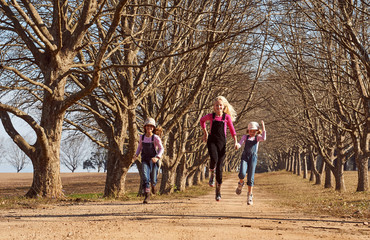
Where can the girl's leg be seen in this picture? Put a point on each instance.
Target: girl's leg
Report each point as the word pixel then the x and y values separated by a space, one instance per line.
pixel 213 153
pixel 146 173
pixel 250 189
pixel 250 196
pixel 252 168
pixel 218 192
pixel 242 174
pixel 243 170
pixel 252 163
pixel 219 165
pixel 219 168
pixel 211 177
pixel 153 176
pixel 146 182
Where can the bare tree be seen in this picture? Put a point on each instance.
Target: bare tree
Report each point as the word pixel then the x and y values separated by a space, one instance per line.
pixel 73 151
pixel 40 44
pixel 99 158
pixel 2 150
pixel 17 158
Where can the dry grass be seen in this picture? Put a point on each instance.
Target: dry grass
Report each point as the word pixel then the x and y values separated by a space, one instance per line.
pixel 294 191
pixel 78 187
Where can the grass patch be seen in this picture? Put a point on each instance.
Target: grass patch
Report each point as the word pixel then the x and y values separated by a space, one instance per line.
pixel 294 191
pixel 78 195
pixel 88 196
pixel 14 202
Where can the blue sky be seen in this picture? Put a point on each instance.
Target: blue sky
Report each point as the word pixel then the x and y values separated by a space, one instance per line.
pixel 7 143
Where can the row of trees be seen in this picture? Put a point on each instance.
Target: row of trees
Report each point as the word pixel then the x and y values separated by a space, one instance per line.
pixel 101 68
pixel 323 66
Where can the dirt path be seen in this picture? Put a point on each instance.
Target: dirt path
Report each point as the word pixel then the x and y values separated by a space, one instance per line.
pixel 200 218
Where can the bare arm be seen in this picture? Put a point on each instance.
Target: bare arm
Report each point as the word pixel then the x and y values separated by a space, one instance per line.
pixel 205 134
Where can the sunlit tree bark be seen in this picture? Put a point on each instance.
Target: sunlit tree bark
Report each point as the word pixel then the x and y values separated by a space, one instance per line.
pixel 42 43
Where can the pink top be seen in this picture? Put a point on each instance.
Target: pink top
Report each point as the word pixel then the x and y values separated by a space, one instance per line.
pixel 228 122
pixel 260 138
pixel 157 145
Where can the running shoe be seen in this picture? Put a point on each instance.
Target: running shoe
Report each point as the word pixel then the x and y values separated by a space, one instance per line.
pixel 250 199
pixel 212 180
pixel 239 188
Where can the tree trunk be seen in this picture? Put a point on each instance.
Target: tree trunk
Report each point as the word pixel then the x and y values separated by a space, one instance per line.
pixel 286 160
pixel 190 178
pixel 314 169
pixel 340 161
pixel 295 162
pixel 46 179
pixel 168 179
pixel 117 169
pixel 120 156
pixel 197 179
pixel 291 158
pixel 298 157
pixel 304 157
pixel 362 175
pixel 312 175
pixel 361 163
pixel 46 162
pixel 181 182
pixel 181 175
pixel 339 176
pixel 328 183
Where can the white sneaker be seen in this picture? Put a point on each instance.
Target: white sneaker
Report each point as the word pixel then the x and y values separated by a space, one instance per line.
pixel 212 180
pixel 250 199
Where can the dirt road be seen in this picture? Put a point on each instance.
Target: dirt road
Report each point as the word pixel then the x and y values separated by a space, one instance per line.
pixel 200 218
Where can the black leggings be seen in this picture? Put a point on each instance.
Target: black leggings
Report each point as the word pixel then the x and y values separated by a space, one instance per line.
pixel 217 151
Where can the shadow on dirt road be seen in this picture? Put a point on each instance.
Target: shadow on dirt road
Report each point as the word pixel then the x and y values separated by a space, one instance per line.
pixel 198 218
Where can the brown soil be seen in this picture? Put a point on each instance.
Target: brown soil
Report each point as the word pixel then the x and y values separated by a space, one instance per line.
pixel 196 218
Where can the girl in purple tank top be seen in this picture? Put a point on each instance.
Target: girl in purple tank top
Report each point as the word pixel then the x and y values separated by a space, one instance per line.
pixel 249 157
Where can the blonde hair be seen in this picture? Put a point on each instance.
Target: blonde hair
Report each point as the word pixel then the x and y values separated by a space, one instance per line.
pixel 158 131
pixel 228 108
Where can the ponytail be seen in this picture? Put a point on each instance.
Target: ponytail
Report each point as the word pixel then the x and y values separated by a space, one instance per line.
pixel 158 131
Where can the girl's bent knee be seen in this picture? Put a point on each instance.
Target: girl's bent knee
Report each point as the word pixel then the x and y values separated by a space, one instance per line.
pixel 241 176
